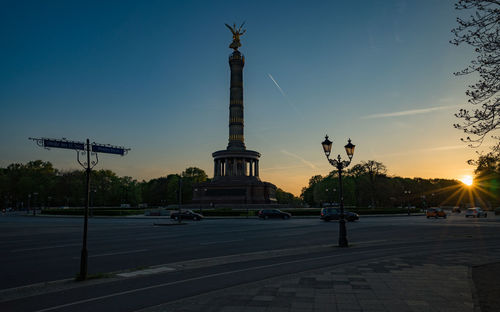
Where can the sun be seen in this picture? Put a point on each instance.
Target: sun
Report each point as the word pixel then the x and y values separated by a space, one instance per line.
pixel 467 180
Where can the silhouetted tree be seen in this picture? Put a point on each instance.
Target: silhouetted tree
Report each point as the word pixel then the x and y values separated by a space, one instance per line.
pixel 196 175
pixel 481 30
pixel 374 170
pixel 487 174
pixel 287 198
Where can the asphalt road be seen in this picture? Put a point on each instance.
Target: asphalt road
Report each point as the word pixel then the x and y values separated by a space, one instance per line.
pixel 217 253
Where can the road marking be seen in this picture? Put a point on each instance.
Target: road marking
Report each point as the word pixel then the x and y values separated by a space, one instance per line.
pixel 221 242
pixel 115 253
pixel 181 281
pixel 46 247
pixel 372 241
pixel 146 272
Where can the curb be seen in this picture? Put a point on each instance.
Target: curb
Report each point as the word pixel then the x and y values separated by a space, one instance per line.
pixel 140 217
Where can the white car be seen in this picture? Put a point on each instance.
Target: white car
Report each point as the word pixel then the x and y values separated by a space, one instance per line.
pixel 475 212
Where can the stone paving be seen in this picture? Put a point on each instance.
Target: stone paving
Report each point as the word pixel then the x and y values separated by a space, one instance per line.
pixel 439 282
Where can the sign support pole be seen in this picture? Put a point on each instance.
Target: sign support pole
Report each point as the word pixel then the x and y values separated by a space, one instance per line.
pixel 84 255
pixel 81 147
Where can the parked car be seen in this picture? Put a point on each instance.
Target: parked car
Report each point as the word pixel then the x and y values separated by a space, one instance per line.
pixel 273 213
pixel 328 214
pixel 475 212
pixel 435 213
pixel 186 214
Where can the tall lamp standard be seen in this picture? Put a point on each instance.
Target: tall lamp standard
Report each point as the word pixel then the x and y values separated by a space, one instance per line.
pixel 408 193
pixel 35 202
pixel 340 164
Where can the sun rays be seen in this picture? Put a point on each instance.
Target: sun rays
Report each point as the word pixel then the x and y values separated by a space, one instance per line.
pixel 467 180
pixel 470 192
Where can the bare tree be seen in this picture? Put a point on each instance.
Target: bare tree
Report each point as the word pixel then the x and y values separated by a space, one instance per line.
pixel 481 30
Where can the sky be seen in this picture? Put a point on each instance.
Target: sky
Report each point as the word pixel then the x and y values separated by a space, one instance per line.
pixel 153 76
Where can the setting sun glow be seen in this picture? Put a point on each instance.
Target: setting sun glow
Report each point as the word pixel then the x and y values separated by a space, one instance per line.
pixel 467 180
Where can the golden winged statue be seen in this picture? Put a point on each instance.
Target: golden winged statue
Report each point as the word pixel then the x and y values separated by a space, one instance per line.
pixel 237 32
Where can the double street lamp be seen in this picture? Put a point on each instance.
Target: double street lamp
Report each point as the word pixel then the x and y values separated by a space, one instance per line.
pixel 340 164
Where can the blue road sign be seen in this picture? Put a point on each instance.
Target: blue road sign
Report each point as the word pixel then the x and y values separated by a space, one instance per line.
pixel 63 144
pixel 97 148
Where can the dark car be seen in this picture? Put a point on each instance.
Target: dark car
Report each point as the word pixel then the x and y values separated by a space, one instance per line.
pixel 273 213
pixel 186 214
pixel 328 214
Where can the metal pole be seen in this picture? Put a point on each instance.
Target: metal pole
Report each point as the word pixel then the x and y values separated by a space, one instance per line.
pixel 84 256
pixel 408 203
pixel 180 198
pixel 34 203
pixel 342 228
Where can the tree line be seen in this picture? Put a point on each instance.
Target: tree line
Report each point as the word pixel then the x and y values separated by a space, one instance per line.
pixel 39 184
pixel 368 185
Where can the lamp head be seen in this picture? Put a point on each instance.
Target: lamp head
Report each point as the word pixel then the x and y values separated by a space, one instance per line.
pixel 327 146
pixel 349 149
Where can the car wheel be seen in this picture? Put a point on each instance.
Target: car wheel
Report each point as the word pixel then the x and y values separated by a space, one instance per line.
pixel 427 217
pixel 176 218
pixel 196 218
pixel 444 217
pixel 266 217
pixel 485 215
pixel 286 217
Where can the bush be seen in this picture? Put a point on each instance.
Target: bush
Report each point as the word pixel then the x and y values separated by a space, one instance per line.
pixel 95 212
pixel 303 212
pixel 227 212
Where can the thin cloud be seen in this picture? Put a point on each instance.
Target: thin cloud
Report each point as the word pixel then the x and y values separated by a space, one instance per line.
pixel 305 162
pixel 277 85
pixel 423 150
pixel 410 112
pixel 280 168
pixel 444 148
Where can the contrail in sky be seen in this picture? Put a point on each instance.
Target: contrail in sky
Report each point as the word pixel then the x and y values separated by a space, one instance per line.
pixel 277 85
pixel 308 163
pixel 410 112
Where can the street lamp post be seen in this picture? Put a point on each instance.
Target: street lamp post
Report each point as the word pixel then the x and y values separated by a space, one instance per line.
pixel 340 164
pixel 34 203
pixel 180 199
pixel 92 197
pixel 408 192
pixel 330 195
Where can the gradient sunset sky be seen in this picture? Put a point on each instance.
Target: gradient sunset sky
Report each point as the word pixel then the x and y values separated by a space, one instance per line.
pixel 154 76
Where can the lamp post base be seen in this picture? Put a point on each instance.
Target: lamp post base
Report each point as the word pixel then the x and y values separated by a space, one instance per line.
pixel 342 234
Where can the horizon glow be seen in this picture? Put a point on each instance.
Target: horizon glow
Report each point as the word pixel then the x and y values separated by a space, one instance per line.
pixel 154 77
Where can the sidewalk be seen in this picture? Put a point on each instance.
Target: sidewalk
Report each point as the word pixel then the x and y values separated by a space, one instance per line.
pixel 434 283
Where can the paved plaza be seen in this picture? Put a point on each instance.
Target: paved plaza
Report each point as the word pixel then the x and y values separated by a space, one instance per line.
pixel 440 282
